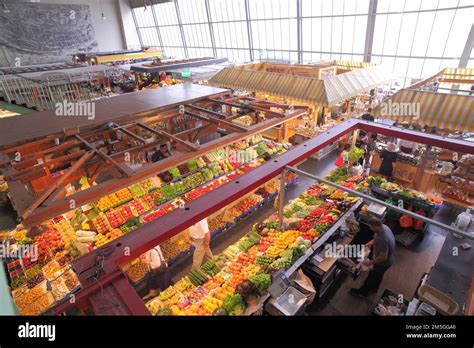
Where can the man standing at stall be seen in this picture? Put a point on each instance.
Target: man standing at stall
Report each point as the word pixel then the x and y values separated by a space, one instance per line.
pixel 383 245
pixel 200 239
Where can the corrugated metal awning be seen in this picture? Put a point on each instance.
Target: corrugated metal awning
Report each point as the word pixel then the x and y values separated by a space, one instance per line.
pixel 447 111
pixel 305 89
pixel 300 88
pixel 347 85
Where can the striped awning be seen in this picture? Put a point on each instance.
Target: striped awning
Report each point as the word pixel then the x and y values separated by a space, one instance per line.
pixel 304 89
pixel 458 75
pixel 344 86
pixel 447 111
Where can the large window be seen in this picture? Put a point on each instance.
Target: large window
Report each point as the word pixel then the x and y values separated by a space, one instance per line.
pixel 412 38
pixel 418 38
pixel 334 29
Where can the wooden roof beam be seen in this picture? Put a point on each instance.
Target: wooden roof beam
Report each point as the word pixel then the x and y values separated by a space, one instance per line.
pixel 59 182
pixel 211 112
pixel 218 121
pixel 168 136
pixel 240 106
pixel 123 129
pixel 123 169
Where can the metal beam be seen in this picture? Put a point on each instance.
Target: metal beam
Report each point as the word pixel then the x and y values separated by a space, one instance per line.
pixel 466 53
pixel 369 34
pixel 249 29
pixel 157 29
pixel 180 23
pixel 299 30
pixel 211 29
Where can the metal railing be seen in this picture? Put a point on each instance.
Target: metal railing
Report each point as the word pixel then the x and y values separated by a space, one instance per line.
pixel 370 199
pixel 44 92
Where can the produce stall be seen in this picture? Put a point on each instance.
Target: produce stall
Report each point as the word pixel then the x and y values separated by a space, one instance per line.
pixel 304 84
pixel 443 102
pixel 430 171
pixel 146 236
pixel 82 199
pixel 41 87
pixel 161 73
pixel 117 58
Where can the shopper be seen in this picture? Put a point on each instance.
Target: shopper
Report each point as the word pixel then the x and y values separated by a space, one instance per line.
pixel 158 277
pixel 388 156
pixel 343 158
pixel 368 115
pixel 383 245
pixel 160 153
pixel 200 239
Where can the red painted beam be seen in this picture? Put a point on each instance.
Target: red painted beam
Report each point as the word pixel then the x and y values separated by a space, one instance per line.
pixel 156 232
pixel 130 246
pixel 455 145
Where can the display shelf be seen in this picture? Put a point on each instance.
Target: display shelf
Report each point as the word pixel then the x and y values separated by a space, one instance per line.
pixel 316 245
pixel 229 225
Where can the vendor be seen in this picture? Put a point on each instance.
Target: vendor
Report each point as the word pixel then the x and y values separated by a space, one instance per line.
pixel 407 146
pixel 383 245
pixel 161 153
pixel 200 239
pixel 158 276
pixel 388 156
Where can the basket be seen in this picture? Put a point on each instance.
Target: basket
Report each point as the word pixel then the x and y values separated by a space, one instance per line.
pixel 439 300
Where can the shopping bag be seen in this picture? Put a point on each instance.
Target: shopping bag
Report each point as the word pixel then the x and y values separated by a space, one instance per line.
pixel 340 161
pixel 305 285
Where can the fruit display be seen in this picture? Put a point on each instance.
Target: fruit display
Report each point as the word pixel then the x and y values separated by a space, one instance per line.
pixel 48 242
pixel 124 195
pixel 108 202
pixel 101 224
pixel 175 173
pixel 115 217
pixel 94 225
pixel 175 245
pixel 137 190
pixel 137 271
pixel 147 185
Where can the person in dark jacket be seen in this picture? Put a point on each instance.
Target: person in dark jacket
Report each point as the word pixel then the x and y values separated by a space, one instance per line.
pixel 388 156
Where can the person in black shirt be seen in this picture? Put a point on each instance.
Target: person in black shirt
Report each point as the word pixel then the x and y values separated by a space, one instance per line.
pixel 368 115
pixel 388 156
pixel 160 154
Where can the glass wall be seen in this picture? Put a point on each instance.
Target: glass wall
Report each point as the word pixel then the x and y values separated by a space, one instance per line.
pixel 412 38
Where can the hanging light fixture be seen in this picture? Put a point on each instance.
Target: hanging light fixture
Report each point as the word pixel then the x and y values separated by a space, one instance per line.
pixel 5 9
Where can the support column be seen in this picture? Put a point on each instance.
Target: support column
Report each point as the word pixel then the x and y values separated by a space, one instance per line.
pixel 369 34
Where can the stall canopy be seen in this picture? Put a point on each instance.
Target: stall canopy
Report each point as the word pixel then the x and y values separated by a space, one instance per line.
pixel 443 101
pixel 306 89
